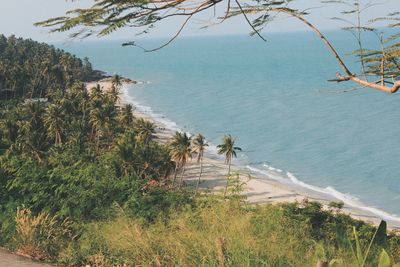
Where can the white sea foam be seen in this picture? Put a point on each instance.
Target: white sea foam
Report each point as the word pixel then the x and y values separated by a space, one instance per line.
pixel 348 199
pixel 269 167
pixel 148 111
pixel 354 202
pixel 268 174
pixel 305 185
pixel 271 172
pixel 143 82
pixel 162 119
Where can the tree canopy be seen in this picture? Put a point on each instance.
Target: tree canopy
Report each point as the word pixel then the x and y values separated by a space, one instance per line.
pixel 32 69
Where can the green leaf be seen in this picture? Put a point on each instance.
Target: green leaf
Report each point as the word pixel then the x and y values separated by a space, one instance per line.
pixel 381 234
pixel 379 238
pixel 384 259
pixel 358 248
pixel 336 263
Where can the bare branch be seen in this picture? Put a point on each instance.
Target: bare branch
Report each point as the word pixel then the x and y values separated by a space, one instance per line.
pixel 249 22
pixel 393 89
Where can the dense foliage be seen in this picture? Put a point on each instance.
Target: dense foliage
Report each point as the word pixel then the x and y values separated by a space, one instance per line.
pixel 77 155
pixel 32 69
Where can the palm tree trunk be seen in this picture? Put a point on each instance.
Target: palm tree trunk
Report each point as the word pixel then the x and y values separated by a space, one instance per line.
pixel 183 172
pixel 58 138
pixel 97 141
pixel 164 179
pixel 198 181
pixel 227 178
pixel 126 170
pixel 175 174
pixel 14 88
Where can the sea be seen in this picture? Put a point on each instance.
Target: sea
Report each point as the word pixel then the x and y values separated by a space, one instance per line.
pixel 274 97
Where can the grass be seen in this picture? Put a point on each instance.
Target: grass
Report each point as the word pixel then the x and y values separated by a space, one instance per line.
pixel 213 232
pixel 41 236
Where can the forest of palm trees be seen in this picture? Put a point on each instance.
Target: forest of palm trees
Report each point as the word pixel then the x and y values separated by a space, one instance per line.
pixel 77 125
pixel 32 69
pixel 75 132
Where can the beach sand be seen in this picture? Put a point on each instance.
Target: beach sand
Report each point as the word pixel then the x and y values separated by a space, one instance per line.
pixel 258 188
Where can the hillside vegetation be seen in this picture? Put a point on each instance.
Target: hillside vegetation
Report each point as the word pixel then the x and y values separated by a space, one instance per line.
pixel 32 69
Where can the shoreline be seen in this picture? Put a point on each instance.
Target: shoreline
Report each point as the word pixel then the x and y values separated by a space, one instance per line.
pixel 262 188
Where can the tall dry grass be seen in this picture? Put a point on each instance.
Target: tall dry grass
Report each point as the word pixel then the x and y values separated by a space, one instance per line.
pixel 223 234
pixel 40 236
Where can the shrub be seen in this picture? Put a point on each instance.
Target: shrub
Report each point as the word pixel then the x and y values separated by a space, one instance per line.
pixel 41 237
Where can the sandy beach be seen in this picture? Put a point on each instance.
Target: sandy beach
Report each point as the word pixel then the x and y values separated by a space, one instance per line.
pixel 258 188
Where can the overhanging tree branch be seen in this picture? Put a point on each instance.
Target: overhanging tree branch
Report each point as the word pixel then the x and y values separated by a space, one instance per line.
pixel 393 89
pixel 110 15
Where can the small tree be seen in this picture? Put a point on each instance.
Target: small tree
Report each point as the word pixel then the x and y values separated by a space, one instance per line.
pixel 181 153
pixel 145 130
pixel 54 121
pixel 126 115
pixel 228 149
pixel 199 145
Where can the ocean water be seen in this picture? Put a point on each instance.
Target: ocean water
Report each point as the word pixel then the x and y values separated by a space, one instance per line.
pixel 275 98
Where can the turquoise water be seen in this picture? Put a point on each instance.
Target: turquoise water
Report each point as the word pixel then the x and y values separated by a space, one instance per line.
pixel 275 98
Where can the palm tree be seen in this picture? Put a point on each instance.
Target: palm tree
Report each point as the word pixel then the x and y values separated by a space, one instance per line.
pixel 168 166
pixel 228 149
pixel 33 132
pixel 126 116
pixel 113 94
pixel 79 97
pixel 11 129
pixel 77 134
pixel 116 81
pixel 53 120
pixel 96 91
pixel 181 152
pixel 124 152
pixel 116 84
pixel 96 96
pixel 199 144
pixel 110 114
pixel 145 130
pixel 97 120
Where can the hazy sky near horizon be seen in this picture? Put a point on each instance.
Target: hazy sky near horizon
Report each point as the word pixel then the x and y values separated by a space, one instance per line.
pixel 18 16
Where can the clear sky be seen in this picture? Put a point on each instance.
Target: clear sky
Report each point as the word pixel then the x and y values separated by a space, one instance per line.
pixel 17 17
